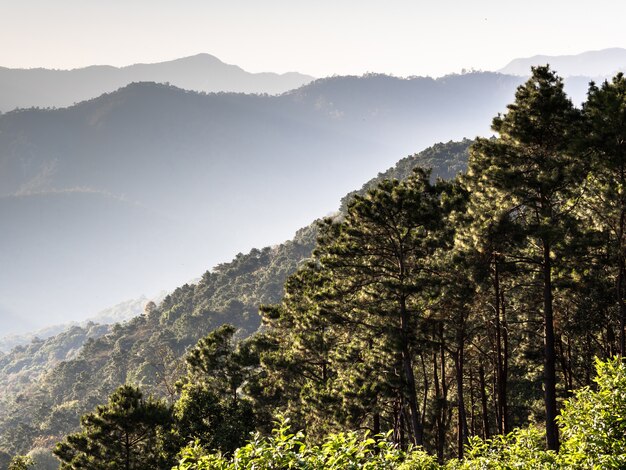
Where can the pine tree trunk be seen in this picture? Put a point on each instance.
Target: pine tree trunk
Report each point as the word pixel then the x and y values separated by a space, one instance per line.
pixel 462 413
pixel 505 367
pixel 438 410
pixel 376 428
pixel 552 431
pixel 621 271
pixel 417 432
pixel 500 379
pixel 622 306
pixel 441 402
pixel 483 401
pixel 472 398
pixel 127 450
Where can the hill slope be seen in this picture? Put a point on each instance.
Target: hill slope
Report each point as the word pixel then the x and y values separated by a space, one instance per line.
pixel 36 409
pixel 115 314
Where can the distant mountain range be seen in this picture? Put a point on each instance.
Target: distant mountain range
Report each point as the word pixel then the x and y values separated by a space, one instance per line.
pixel 596 64
pixel 38 87
pixel 142 188
pixel 24 88
pixel 117 314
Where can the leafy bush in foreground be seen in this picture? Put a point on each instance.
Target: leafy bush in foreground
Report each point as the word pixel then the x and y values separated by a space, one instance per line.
pixel 288 450
pixel 593 423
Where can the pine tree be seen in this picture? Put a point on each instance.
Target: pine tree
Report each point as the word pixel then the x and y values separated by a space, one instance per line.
pixel 362 315
pixel 129 433
pixel 211 408
pixel 605 139
pixel 530 172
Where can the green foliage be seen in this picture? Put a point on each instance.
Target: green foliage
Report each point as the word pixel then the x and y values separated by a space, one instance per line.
pixel 285 449
pixel 593 422
pixel 219 424
pixel 593 427
pixel 211 408
pixel 445 160
pixel 522 448
pixel 348 330
pixel 531 176
pixel 127 433
pixel 21 462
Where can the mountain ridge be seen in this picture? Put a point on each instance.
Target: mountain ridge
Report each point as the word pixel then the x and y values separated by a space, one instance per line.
pixel 597 64
pixel 42 87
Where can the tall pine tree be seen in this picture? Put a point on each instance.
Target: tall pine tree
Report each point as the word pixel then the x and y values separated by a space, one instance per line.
pixel 605 138
pixel 531 173
pixel 367 305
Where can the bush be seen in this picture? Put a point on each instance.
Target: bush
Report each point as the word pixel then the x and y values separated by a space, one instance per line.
pixel 285 449
pixel 593 423
pixel 522 448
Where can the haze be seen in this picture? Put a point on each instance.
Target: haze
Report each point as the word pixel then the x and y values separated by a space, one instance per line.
pixel 319 38
pixel 126 190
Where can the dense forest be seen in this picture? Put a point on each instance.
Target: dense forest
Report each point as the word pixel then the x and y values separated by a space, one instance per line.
pixel 473 322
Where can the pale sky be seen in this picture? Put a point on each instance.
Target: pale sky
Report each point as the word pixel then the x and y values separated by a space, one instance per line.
pixel 318 37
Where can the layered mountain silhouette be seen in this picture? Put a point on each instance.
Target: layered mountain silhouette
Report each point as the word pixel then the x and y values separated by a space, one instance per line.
pixel 141 189
pixel 24 88
pixel 597 64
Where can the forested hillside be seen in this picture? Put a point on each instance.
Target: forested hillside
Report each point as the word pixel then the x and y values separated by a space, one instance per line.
pixel 154 343
pixel 475 322
pixel 25 364
pixel 447 313
pixel 146 351
pixel 454 321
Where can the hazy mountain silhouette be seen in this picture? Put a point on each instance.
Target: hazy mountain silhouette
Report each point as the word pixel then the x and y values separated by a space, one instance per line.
pixel 116 314
pixel 142 189
pixel 597 64
pixel 23 88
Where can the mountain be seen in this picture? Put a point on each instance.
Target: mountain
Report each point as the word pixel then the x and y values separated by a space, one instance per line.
pixel 24 88
pixel 139 190
pixel 597 64
pixel 47 385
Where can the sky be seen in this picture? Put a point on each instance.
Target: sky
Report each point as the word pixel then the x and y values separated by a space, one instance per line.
pixel 320 37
